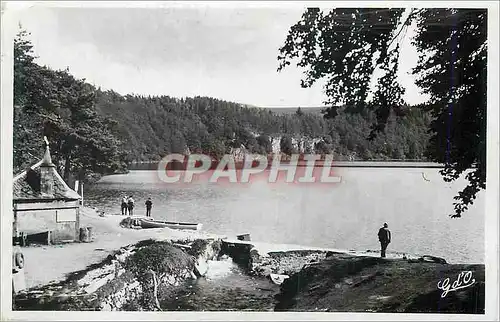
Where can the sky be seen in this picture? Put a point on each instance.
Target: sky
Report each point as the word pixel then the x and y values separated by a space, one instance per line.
pixel 225 52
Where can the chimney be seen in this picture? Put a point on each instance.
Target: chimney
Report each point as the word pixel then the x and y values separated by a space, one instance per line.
pixel 46 177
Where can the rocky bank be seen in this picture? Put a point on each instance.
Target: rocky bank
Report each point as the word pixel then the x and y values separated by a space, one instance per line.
pixel 124 280
pixel 369 284
pixel 317 280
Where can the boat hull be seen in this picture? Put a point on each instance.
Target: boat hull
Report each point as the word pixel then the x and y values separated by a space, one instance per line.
pixel 147 223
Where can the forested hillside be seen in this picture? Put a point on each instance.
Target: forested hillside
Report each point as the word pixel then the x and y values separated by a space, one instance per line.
pixel 92 131
pixel 150 127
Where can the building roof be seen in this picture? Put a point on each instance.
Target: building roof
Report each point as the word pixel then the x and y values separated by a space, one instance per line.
pixel 27 185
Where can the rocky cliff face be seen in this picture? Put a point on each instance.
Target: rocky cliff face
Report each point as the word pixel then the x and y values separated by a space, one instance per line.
pixel 302 144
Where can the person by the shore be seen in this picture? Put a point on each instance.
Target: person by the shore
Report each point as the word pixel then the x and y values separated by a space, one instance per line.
pixel 130 205
pixel 384 237
pixel 149 204
pixel 124 206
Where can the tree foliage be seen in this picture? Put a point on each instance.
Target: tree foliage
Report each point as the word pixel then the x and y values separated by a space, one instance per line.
pixel 156 265
pixel 55 104
pixel 346 46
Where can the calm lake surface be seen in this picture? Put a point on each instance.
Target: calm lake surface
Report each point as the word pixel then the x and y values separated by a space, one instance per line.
pixel 415 202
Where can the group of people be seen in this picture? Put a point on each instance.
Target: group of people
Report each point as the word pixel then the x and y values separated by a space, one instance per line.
pixel 128 205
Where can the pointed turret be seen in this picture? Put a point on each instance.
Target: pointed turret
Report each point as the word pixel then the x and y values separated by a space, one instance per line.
pixel 47 159
pixel 46 177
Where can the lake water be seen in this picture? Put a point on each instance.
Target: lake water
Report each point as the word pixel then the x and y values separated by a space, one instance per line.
pixel 415 202
pixel 226 287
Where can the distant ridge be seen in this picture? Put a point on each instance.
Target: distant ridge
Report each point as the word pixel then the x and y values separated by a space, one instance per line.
pixel 291 110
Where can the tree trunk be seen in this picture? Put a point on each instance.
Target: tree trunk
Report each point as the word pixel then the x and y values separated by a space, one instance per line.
pixel 155 290
pixel 67 166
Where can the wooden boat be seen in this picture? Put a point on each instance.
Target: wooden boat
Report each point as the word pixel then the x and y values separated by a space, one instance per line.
pixel 151 223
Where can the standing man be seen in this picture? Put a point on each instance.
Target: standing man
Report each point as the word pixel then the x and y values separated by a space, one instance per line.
pixel 384 237
pixel 124 205
pixel 130 204
pixel 149 204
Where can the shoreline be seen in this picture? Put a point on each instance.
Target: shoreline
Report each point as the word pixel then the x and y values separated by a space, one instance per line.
pixel 89 270
pixel 62 259
pixel 181 166
pixel 109 237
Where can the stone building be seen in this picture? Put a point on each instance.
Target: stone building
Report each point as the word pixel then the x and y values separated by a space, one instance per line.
pixel 44 205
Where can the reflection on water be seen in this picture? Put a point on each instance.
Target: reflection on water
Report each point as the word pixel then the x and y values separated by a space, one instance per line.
pixel 344 216
pixel 225 288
